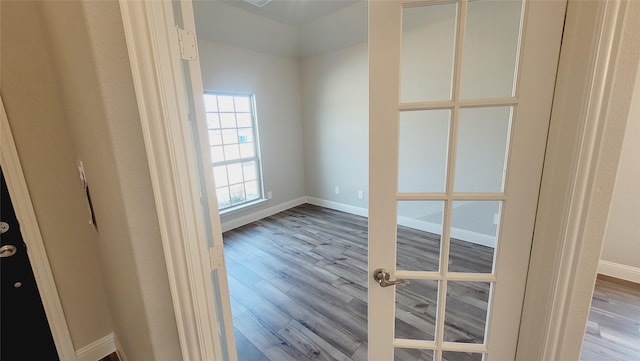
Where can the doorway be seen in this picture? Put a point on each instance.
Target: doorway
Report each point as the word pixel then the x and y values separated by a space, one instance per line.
pixel 472 131
pixel 24 327
pixel 161 178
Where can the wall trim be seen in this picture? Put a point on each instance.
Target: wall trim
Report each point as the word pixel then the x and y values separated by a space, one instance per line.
pixel 457 233
pixel 618 270
pixel 343 207
pixel 97 349
pixel 19 192
pixel 263 213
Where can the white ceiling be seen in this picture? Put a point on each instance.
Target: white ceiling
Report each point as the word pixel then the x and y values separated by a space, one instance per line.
pixel 293 12
pixel 291 28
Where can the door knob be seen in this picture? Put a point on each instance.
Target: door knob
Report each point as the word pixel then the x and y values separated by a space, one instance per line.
pixel 382 276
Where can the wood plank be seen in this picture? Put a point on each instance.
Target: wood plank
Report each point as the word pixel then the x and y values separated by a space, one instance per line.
pixel 298 282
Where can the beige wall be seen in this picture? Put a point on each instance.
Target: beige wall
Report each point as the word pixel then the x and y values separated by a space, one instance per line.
pixel 622 238
pixel 73 55
pixel 30 90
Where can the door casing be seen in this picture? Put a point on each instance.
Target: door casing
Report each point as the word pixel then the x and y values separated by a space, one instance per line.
pixel 151 40
pixel 26 215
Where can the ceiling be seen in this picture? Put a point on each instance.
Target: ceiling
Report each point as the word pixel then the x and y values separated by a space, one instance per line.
pixel 290 28
pixel 293 12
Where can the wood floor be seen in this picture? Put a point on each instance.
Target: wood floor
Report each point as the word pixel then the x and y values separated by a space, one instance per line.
pixel 298 288
pixel 613 329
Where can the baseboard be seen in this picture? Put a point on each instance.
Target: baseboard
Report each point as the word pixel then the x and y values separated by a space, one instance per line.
pixel 263 213
pixel 359 211
pixel 621 271
pixel 457 233
pixel 119 350
pixel 97 349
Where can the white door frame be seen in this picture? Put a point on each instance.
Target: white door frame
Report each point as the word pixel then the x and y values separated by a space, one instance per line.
pixel 21 200
pixel 574 199
pixel 591 105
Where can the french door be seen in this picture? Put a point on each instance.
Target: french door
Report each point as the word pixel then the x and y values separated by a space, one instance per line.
pixel 460 99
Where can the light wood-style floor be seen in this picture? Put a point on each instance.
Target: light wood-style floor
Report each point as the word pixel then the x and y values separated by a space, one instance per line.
pixel 298 288
pixel 298 292
pixel 613 329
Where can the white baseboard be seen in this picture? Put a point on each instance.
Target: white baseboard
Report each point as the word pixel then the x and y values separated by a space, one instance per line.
pixel 263 213
pixel 457 233
pixel 359 211
pixel 97 349
pixel 621 271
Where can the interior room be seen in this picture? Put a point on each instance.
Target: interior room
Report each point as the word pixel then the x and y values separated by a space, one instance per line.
pixel 304 66
pixel 80 89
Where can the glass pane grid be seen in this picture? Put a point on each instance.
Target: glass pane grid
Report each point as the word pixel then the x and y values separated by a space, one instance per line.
pixel 234 153
pixel 460 279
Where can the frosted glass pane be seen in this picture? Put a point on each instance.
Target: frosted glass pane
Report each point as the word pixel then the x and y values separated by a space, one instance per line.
pixel 215 137
pixel 237 193
pixel 224 200
pixel 242 104
pixel 419 235
pixel 416 308
pixel 228 120
pixel 235 173
pixel 217 154
pixel 466 311
pixel 482 149
pixel 220 176
pixel 231 152
pixel 210 103
pixel 230 136
pixel 490 48
pixel 252 190
pixel 249 170
pixel 213 121
pixel 225 103
pixel 474 230
pixel 428 37
pixel 424 140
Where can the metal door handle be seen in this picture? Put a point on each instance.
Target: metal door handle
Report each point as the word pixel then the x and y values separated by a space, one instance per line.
pixel 382 276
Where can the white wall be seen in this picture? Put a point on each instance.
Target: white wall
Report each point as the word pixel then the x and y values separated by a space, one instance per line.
pixel 622 238
pixel 336 124
pixel 275 81
pixel 334 101
pixel 335 108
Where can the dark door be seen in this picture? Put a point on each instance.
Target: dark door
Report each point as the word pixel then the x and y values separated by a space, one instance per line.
pixel 24 331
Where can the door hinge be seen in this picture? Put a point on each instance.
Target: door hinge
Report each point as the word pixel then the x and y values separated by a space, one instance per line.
pixel 187 44
pixel 216 257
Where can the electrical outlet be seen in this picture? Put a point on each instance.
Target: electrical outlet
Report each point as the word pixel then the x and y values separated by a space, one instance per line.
pixel 360 194
pixel 337 190
pixel 269 195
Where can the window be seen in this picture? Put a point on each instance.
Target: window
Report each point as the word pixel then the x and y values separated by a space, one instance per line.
pixel 233 140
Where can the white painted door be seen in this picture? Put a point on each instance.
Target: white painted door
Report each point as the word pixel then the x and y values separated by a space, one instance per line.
pixel 224 342
pixel 460 99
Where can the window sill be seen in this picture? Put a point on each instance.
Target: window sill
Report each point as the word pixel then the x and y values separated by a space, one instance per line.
pixel 243 206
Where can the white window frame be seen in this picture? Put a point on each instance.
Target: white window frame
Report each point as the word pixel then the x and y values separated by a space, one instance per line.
pixel 255 158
